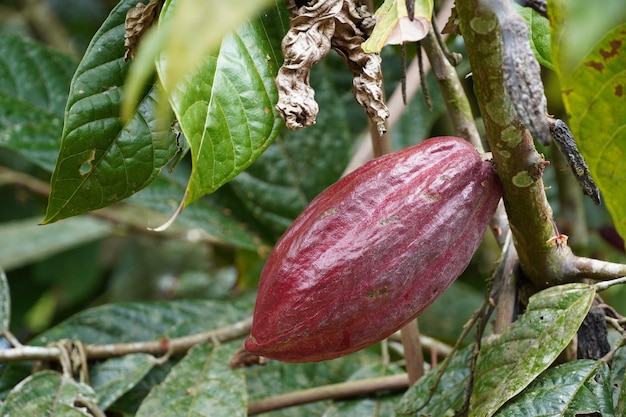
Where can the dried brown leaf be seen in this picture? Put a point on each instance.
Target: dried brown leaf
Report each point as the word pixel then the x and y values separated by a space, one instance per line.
pixel 315 28
pixel 138 20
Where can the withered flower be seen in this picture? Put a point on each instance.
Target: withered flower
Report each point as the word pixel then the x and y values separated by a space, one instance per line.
pixel 315 28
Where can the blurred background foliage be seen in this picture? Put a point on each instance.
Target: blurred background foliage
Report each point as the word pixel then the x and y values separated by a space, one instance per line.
pixel 58 270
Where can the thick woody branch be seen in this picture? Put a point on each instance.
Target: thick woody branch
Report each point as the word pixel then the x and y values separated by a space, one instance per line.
pixel 543 253
pixel 519 165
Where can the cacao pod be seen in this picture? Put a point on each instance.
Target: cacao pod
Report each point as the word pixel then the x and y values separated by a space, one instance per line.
pixel 372 251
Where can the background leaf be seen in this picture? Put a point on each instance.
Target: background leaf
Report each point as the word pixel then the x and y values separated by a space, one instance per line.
pixel 33 88
pixel 201 384
pixel 448 394
pixel 593 84
pixel 573 388
pixel 47 393
pixel 528 346
pixel 207 216
pixel 102 159
pixel 114 377
pixel 134 322
pixel 226 108
pixel 31 242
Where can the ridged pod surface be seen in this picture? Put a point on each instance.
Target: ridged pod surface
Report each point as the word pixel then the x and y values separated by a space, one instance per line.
pixel 372 251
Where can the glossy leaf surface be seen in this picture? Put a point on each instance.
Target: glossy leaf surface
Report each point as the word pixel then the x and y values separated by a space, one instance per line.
pixel 102 158
pixel 33 89
pixel 201 385
pixel 226 107
pixel 528 346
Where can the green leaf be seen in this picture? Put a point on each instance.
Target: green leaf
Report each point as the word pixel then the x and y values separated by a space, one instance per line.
pixel 539 31
pixel 574 388
pixel 393 25
pixel 449 392
pixel 5 302
pixel 618 374
pixel 34 80
pixel 205 216
pixel 528 346
pixel 196 28
pixel 31 242
pixel 47 393
pixel 201 384
pixel 280 377
pixel 592 73
pixel 103 159
pixel 115 377
pixel 300 164
pixel 135 322
pixel 226 108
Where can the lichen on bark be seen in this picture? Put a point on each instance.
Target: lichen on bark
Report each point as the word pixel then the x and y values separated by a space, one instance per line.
pixel 316 27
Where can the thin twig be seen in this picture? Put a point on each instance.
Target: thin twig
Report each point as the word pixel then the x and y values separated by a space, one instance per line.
pixel 601 286
pixel 329 392
pixel 177 345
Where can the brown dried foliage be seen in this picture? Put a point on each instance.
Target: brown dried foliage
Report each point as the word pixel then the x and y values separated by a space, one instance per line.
pixel 138 20
pixel 317 27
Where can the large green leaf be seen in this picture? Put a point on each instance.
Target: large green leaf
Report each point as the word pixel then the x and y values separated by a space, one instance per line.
pixel 50 394
pixel 103 159
pixel 201 384
pixel 448 394
pixel 33 89
pixel 30 242
pixel 592 71
pixel 574 388
pixel 528 346
pixel 116 376
pixel 212 219
pixel 126 322
pixel 226 108
pixel 133 322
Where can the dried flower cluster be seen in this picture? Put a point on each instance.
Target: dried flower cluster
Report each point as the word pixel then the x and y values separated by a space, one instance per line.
pixel 138 20
pixel 316 27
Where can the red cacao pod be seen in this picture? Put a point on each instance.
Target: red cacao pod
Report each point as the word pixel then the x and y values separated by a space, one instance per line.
pixel 372 251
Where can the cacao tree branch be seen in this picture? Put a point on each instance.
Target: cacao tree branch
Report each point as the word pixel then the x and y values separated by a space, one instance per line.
pixel 519 165
pixel 451 88
pixel 329 392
